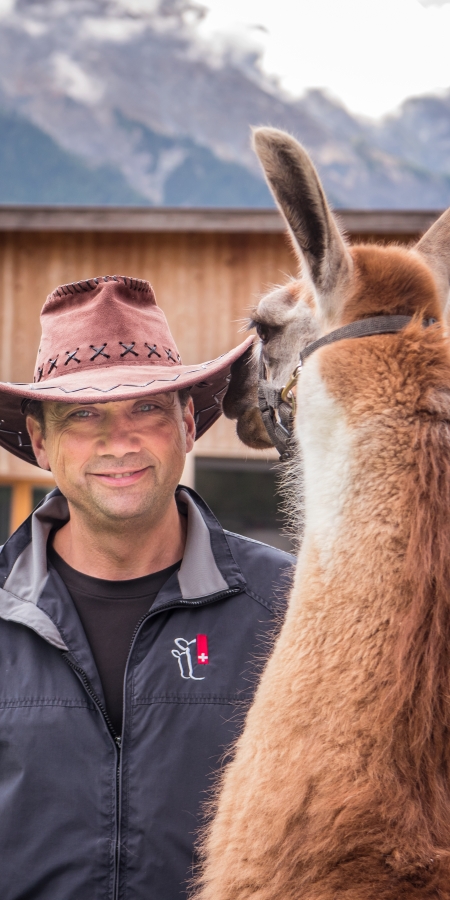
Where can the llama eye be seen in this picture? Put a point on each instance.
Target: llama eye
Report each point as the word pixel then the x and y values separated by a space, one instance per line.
pixel 262 333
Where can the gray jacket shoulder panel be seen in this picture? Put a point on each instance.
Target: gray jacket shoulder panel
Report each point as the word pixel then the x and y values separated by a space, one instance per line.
pixel 268 572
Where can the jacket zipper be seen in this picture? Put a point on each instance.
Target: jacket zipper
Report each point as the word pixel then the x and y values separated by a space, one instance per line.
pixel 90 690
pixel 180 604
pixel 153 612
pixel 116 738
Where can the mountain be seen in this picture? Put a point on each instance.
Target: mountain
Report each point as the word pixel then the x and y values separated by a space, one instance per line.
pixel 34 169
pixel 115 101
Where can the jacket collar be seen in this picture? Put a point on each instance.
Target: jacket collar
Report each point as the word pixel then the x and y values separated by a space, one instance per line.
pixel 208 567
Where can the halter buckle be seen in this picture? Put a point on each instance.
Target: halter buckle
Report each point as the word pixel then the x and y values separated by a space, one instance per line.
pixel 286 392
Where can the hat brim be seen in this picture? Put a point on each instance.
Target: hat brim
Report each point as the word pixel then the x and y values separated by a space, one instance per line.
pixel 209 383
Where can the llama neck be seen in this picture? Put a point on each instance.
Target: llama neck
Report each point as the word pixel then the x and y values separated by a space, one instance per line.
pixel 370 605
pixel 356 483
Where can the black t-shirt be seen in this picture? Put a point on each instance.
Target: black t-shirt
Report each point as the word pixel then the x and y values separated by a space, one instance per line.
pixel 109 612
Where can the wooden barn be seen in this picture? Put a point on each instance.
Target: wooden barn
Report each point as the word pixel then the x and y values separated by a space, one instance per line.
pixel 208 267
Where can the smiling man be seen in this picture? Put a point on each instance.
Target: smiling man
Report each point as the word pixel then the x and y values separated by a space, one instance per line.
pixel 132 627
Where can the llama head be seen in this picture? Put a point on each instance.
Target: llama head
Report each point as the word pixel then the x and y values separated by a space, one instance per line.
pixel 337 285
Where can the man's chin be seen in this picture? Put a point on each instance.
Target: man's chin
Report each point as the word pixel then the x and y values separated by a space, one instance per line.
pixel 122 507
pixel 112 506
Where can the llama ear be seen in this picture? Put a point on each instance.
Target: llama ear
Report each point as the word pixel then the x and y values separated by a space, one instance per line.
pixel 295 185
pixel 435 248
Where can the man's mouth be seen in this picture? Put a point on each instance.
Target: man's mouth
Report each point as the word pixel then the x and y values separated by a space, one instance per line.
pixel 120 477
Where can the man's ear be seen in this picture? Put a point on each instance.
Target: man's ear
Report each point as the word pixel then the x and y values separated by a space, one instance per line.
pixel 189 424
pixel 38 442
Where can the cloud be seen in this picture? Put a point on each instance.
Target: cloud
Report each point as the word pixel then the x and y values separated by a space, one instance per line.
pixel 119 29
pixel 434 2
pixel 75 82
pixel 6 6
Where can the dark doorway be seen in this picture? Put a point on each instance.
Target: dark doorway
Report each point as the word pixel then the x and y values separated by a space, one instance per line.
pixel 5 512
pixel 243 495
pixel 39 493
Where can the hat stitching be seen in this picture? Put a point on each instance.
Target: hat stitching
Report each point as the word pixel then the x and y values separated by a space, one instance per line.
pixel 71 356
pixel 99 352
pixel 17 434
pixel 128 348
pixel 153 350
pixel 169 355
pixel 77 287
pixel 52 386
pixel 115 387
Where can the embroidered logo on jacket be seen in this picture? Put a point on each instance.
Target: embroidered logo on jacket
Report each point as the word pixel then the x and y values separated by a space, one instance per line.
pixel 184 654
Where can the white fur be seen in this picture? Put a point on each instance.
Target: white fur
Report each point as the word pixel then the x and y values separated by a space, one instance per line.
pixel 326 446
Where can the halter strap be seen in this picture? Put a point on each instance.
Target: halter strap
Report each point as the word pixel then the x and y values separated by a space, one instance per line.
pixel 276 413
pixel 362 328
pixel 276 404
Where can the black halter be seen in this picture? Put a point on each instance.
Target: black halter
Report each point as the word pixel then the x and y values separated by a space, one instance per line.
pixel 277 404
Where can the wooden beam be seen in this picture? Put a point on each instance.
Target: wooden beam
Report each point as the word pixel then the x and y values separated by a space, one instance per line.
pixel 164 219
pixel 20 503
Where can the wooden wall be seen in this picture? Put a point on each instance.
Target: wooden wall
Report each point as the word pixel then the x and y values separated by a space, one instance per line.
pixel 206 278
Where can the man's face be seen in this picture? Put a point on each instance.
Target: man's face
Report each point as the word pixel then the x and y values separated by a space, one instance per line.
pixel 116 461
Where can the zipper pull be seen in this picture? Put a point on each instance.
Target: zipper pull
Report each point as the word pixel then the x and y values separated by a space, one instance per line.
pixel 118 741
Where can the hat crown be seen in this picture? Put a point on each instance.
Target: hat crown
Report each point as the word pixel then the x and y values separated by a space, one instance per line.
pixel 112 320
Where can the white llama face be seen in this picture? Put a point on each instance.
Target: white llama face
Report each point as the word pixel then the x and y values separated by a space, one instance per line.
pixel 285 321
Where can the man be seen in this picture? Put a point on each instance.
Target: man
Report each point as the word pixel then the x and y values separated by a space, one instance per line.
pixel 131 625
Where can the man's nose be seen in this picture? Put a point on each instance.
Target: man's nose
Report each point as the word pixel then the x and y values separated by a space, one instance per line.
pixel 118 436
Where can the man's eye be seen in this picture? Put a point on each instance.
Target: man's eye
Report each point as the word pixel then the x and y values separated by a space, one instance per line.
pixel 147 407
pixel 81 414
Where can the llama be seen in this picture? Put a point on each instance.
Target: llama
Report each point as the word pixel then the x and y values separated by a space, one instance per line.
pixel 339 788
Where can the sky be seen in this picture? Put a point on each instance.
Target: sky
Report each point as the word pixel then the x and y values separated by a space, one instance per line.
pixel 371 55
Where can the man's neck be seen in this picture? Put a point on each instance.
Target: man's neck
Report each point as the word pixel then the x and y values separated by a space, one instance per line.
pixel 120 556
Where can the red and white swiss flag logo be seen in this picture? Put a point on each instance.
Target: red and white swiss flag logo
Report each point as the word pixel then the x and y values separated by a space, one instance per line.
pixel 202 650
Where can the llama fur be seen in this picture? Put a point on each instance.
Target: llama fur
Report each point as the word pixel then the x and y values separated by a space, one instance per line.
pixel 340 782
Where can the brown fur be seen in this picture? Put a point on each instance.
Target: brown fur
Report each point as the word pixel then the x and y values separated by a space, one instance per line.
pixel 389 281
pixel 340 785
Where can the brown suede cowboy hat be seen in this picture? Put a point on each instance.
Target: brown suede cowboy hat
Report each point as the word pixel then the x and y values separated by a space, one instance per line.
pixel 106 339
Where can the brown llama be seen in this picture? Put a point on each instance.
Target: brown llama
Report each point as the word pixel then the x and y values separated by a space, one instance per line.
pixel 339 788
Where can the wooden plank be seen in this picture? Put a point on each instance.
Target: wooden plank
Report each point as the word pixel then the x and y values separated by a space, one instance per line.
pixel 137 219
pixel 390 222
pixel 152 219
